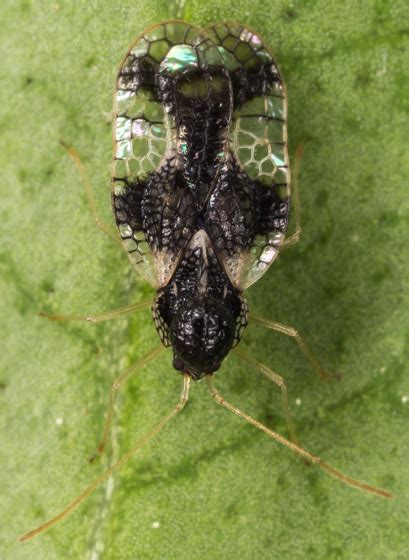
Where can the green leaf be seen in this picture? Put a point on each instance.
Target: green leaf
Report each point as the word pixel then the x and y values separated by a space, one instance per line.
pixel 210 485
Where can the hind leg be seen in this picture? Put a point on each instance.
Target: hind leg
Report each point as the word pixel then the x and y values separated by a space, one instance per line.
pixel 73 154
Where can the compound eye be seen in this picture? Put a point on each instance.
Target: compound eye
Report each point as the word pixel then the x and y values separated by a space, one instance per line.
pixel 178 363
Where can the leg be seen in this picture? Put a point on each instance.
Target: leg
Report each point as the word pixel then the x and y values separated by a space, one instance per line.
pixel 278 380
pixel 75 503
pixel 116 385
pixel 99 318
pixel 290 331
pixel 73 154
pixel 295 237
pixel 294 447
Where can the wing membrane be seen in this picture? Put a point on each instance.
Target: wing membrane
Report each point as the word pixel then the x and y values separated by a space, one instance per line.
pixel 259 156
pixel 155 215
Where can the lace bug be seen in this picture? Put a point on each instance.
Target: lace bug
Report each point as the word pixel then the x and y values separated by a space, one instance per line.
pixel 201 198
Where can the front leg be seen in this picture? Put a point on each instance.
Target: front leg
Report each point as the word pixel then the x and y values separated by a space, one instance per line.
pixel 290 331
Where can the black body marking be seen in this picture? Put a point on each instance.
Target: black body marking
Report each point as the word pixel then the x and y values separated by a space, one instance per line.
pixel 200 179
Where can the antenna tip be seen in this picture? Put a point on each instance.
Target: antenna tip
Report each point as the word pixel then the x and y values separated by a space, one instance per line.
pixel 24 537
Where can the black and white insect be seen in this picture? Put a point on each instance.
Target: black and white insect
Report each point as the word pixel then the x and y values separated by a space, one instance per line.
pixel 201 198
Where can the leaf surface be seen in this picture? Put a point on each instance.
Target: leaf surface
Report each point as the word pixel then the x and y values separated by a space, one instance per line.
pixel 209 486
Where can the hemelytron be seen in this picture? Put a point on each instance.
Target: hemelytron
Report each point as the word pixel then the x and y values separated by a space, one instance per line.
pixel 201 198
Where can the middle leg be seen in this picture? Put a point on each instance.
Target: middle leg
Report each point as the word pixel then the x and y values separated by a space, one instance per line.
pixel 107 316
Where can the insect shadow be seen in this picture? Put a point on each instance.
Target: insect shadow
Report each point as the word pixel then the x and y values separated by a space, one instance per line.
pixel 201 199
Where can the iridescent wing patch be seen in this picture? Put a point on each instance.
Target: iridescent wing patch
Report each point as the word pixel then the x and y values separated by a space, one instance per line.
pixel 256 179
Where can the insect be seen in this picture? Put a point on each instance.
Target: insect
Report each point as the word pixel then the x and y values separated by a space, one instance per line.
pixel 201 198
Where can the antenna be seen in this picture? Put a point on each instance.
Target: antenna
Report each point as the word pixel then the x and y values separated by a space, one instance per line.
pixel 125 458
